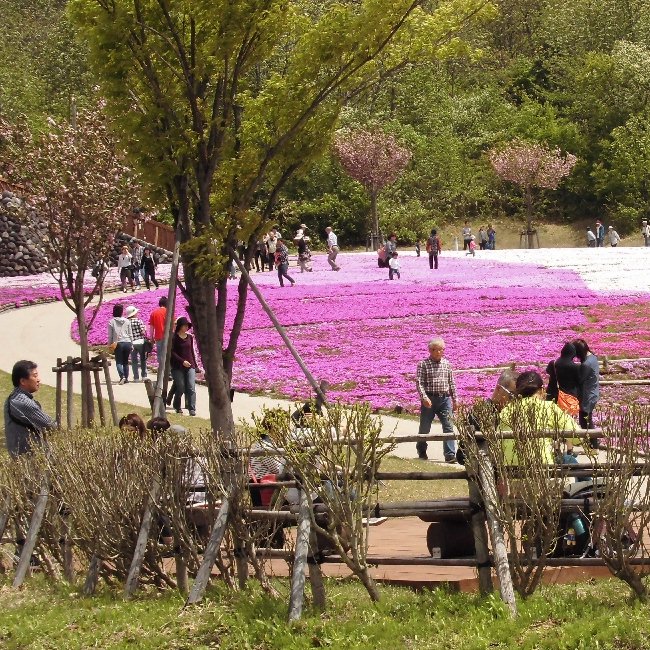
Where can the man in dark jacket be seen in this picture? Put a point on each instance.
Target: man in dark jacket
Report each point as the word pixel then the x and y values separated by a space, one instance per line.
pixel 25 420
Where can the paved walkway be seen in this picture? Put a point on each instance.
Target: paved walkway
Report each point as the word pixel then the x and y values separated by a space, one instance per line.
pixel 42 333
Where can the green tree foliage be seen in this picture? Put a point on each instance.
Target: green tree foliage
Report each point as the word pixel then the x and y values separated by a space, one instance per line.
pixel 42 62
pixel 220 103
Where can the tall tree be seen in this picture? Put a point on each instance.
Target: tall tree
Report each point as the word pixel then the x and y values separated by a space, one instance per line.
pixel 220 104
pixel 531 166
pixel 374 159
pixel 74 177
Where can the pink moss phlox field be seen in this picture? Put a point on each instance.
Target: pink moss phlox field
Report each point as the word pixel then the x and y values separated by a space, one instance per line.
pixel 365 334
pixel 29 289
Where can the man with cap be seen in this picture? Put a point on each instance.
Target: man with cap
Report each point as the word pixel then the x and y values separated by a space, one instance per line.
pixel 645 231
pixel 613 237
pixel 591 238
pixel 138 335
pixel 600 234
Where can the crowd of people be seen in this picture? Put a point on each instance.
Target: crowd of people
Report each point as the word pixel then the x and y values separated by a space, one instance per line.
pixel 568 398
pixel 271 253
pixel 137 264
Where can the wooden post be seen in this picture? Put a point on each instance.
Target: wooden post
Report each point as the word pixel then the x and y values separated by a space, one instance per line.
pixel 5 515
pixel 300 559
pixel 210 554
pixel 109 391
pixel 69 394
pixel 315 574
pixel 66 551
pixel 499 550
pixel 165 351
pixel 92 577
pixel 85 418
pixel 281 331
pixel 100 397
pixel 32 534
pixel 480 539
pixel 141 545
pixel 59 396
pixel 181 567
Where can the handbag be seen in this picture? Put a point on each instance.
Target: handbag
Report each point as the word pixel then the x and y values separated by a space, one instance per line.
pixel 112 347
pixel 147 346
pixel 568 403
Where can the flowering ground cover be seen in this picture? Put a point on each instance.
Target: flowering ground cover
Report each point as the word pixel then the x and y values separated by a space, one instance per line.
pixel 31 289
pixel 365 334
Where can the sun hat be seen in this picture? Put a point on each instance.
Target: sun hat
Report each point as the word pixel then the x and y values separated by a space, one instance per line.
pixel 302 225
pixel 611 227
pixel 182 321
pixel 131 311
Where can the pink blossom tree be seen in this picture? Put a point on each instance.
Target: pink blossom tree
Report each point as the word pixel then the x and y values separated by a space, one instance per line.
pixel 374 159
pixel 74 177
pixel 529 166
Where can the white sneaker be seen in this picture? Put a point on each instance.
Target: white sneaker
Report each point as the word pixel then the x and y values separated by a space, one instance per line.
pixel 121 381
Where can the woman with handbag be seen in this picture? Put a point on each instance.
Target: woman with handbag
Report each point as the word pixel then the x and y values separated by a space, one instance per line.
pixel 184 366
pixel 564 381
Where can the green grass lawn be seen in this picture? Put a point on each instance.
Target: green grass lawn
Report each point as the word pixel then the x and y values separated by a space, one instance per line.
pixel 599 616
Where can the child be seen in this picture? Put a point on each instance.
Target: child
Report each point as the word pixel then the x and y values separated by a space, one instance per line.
pixel 418 245
pixel 393 266
pixel 472 246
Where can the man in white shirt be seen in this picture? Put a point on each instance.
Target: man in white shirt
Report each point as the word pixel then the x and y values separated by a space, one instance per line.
pixel 613 237
pixel 333 248
pixel 591 238
pixel 645 231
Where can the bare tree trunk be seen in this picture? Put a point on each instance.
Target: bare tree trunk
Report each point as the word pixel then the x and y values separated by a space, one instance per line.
pixel 374 214
pixel 529 217
pixel 88 404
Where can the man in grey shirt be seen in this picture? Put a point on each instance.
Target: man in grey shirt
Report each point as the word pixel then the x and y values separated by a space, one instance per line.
pixel 25 420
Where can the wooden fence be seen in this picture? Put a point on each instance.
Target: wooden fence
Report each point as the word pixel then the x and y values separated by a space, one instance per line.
pixel 152 232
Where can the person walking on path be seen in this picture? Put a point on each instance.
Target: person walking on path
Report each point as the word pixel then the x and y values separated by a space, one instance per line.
pixel 600 235
pixel 157 328
pixel 271 247
pixel 149 268
pixel 645 232
pixel 119 339
pixel 467 235
pixel 333 248
pixel 26 424
pixel 136 261
pixel 589 384
pixel 591 238
pixel 184 366
pixel 437 390
pixel 613 237
pixel 138 356
pixel 282 262
pixel 393 267
pixel 472 247
pixel 434 247
pixel 125 268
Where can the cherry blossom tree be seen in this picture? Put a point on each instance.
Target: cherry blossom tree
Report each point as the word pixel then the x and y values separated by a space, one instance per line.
pixel 374 159
pixel 74 177
pixel 531 165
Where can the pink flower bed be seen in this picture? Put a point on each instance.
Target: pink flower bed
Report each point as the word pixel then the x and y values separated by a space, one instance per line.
pixel 31 289
pixel 365 334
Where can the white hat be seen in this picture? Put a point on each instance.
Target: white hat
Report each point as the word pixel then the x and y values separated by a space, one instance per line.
pixel 611 227
pixel 131 311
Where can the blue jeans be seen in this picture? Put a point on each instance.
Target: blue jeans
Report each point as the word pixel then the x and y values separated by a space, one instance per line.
pixel 122 354
pixel 283 272
pixel 440 406
pixel 138 360
pixel 184 380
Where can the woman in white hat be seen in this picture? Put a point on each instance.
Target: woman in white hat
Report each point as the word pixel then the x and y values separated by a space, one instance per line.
pixel 613 237
pixel 138 357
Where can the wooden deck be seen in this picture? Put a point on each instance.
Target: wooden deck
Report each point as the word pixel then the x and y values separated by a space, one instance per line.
pixel 406 537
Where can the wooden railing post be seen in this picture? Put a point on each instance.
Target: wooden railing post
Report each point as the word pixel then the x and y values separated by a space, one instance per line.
pixel 300 559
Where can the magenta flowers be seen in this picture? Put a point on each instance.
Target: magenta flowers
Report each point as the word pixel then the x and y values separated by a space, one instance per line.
pixel 365 334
